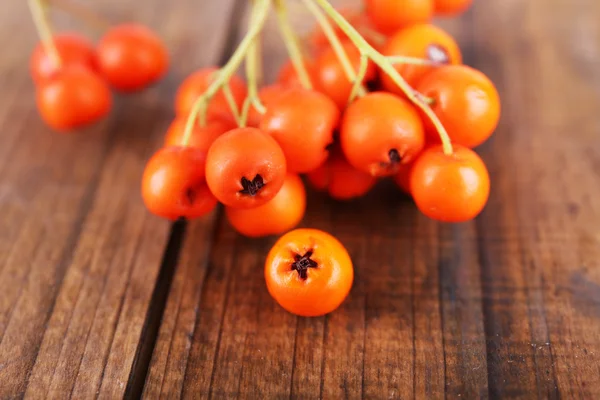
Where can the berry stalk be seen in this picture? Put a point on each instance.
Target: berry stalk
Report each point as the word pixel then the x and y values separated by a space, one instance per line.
pixel 42 25
pixel 252 67
pixel 335 42
pixel 261 10
pixel 291 43
pixel 231 102
pixel 362 71
pixel 413 61
pixel 380 60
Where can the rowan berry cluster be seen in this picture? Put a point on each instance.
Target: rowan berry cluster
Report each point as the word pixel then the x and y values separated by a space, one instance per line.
pixel 371 93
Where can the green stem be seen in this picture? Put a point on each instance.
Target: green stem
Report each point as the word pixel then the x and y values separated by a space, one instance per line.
pixel 261 9
pixel 375 36
pixel 413 61
pixel 362 72
pixel 252 63
pixel 231 102
pixel 42 25
pixel 334 40
pixel 387 67
pixel 245 110
pixel 291 43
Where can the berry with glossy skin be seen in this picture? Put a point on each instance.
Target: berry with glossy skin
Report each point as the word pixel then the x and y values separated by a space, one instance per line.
pixel 267 95
pixel 201 137
pixel 424 41
pixel 73 49
pixel 451 7
pixel 390 15
pixel 174 186
pixel 451 188
pixel 330 77
pixel 131 57
pixel 340 179
pixel 465 101
pixel 245 168
pixel 74 97
pixel 280 214
pixel 379 132
pixel 196 84
pixel 302 122
pixel 309 272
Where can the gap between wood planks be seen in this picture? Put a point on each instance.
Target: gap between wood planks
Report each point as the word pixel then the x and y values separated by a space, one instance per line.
pixel 160 294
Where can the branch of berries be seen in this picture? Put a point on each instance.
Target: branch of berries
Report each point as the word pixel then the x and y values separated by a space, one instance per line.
pixel 370 93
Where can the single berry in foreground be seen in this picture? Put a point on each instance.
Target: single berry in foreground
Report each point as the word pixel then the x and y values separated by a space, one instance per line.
pixel 308 272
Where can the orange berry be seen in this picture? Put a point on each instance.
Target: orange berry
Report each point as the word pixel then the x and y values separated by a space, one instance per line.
pixel 379 132
pixel 174 186
pixel 309 272
pixel 390 15
pixel 280 214
pixel 131 57
pixel 267 95
pixel 402 178
pixel 451 188
pixel 73 49
pixel 302 122
pixel 245 168
pixel 420 41
pixel 74 97
pixel 465 101
pixel 340 179
pixel 451 7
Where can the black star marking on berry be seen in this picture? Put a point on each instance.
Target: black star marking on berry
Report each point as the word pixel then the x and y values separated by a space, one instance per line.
pixel 303 263
pixel 252 187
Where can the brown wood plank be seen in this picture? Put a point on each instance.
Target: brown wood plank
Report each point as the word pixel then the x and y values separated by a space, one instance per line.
pixel 506 306
pixel 459 273
pixel 79 253
pixel 538 237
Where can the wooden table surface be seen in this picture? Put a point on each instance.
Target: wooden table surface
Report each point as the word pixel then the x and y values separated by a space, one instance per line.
pixel 100 299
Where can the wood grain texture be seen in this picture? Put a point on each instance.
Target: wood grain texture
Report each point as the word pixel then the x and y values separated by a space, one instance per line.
pixel 500 307
pixel 538 237
pixel 80 255
pixel 507 306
